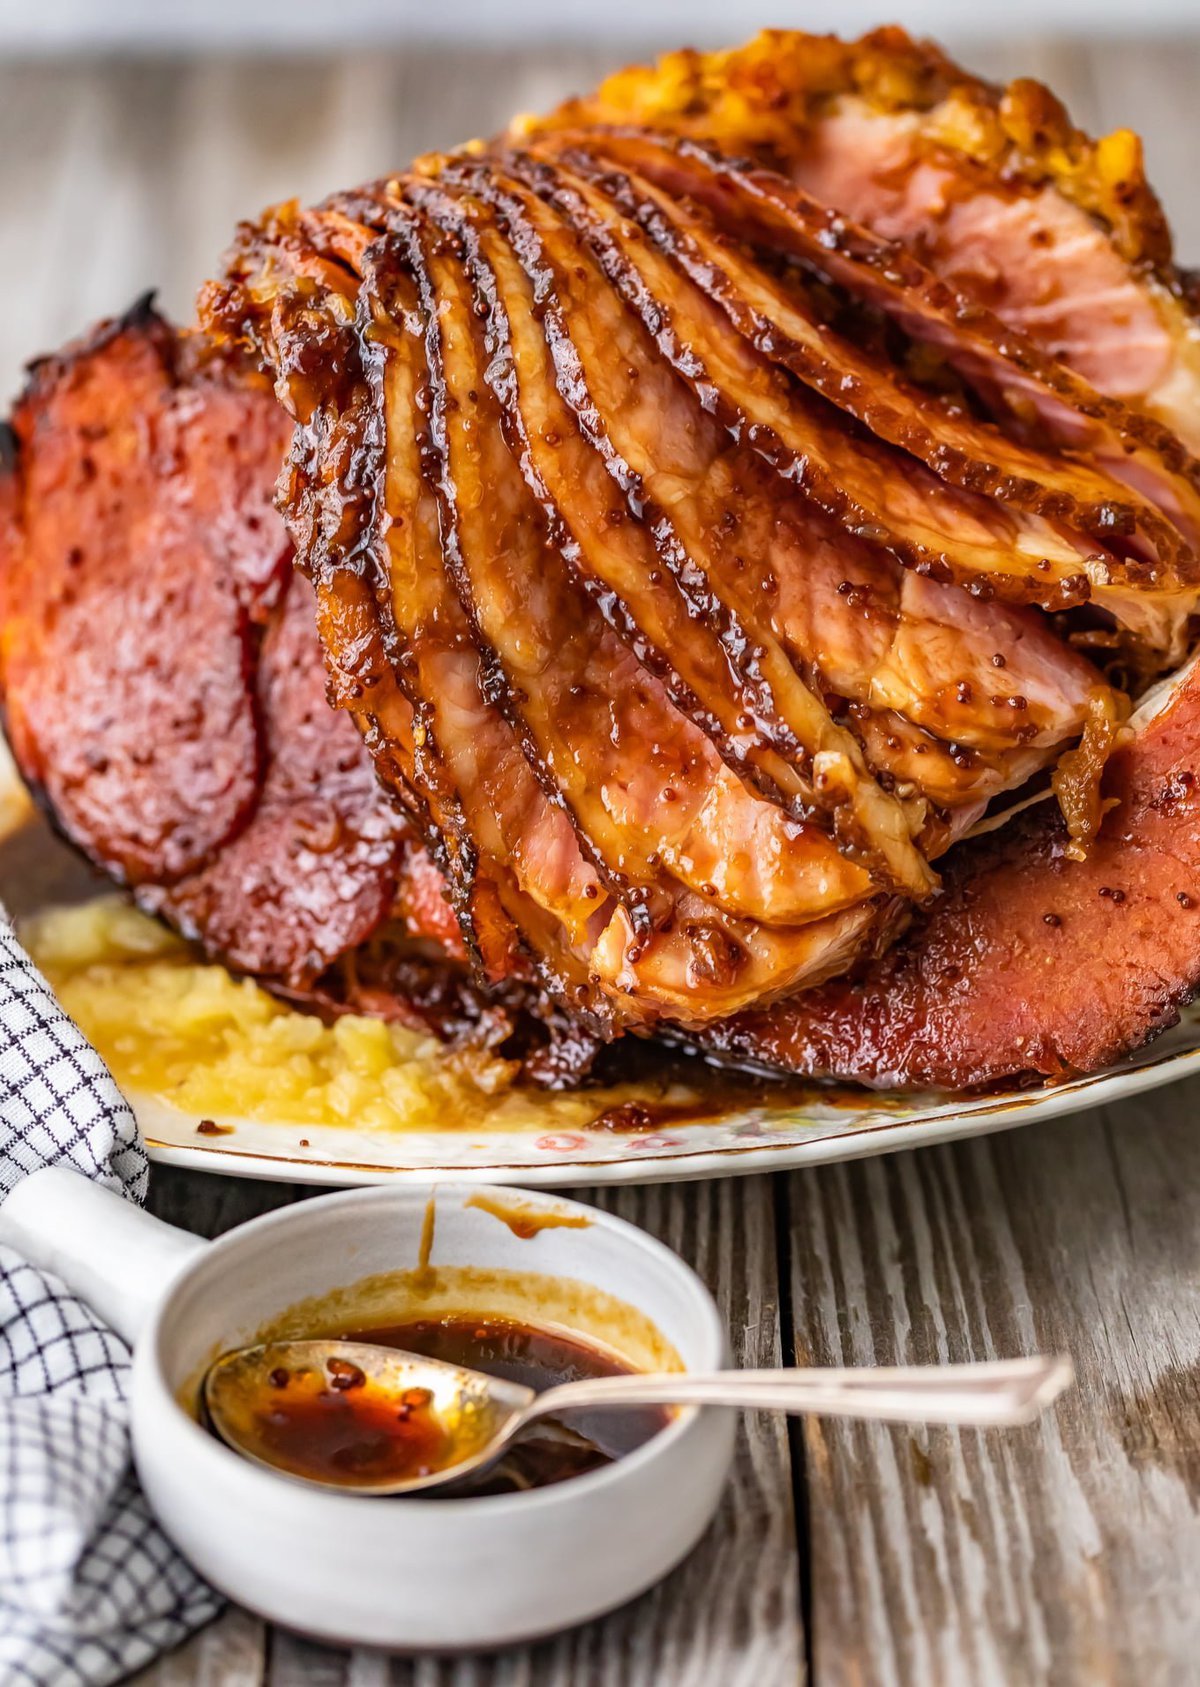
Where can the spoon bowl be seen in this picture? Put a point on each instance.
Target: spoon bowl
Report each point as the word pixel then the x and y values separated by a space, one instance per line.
pixel 360 1415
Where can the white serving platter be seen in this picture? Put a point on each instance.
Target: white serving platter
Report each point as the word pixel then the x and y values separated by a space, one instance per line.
pixel 756 1139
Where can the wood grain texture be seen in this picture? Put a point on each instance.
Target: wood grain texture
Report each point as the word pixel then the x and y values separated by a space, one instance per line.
pixel 1064 1552
pixel 230 1652
pixel 122 176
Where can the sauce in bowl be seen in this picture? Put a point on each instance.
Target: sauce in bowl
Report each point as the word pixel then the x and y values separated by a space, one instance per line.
pixel 335 1425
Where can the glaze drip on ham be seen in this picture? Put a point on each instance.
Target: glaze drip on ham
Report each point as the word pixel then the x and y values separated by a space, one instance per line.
pixel 722 499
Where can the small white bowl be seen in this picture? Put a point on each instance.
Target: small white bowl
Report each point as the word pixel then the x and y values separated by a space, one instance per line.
pixel 410 1574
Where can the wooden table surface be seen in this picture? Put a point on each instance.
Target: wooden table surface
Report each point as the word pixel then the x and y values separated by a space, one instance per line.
pixel 1062 1553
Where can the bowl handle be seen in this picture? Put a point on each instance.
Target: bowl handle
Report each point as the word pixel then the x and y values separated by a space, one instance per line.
pixel 115 1257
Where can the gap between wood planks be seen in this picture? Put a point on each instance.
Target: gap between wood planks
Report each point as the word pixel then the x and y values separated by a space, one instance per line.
pixel 797 1448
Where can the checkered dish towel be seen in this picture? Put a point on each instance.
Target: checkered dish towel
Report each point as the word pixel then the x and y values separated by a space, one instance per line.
pixel 90 1588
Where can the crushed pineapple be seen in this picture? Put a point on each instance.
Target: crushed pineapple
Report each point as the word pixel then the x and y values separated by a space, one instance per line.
pixel 189 1034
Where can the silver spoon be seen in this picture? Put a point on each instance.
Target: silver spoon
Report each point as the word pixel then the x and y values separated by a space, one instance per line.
pixel 471 1418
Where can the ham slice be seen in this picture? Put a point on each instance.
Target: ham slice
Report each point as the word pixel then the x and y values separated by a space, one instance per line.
pixel 149 765
pixel 163 680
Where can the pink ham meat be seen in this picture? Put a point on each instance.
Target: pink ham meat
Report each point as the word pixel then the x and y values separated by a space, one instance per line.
pixel 662 630
pixel 141 736
pixel 994 189
pixel 714 501
pixel 314 871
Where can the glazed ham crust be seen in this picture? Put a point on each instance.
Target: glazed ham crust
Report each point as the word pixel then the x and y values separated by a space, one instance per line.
pixel 994 189
pixel 143 563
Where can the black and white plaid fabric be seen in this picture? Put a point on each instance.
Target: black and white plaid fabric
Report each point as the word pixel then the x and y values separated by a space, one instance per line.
pixel 90 1588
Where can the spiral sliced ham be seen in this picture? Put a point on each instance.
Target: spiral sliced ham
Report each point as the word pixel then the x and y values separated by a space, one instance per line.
pixel 993 189
pixel 720 498
pixel 615 512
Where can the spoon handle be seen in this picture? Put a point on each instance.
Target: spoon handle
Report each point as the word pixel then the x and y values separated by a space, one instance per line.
pixel 1001 1391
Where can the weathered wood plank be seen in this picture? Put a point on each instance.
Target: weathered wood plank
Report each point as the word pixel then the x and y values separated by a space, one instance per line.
pixel 230 1652
pixel 120 176
pixel 1064 1552
pixel 208 1205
